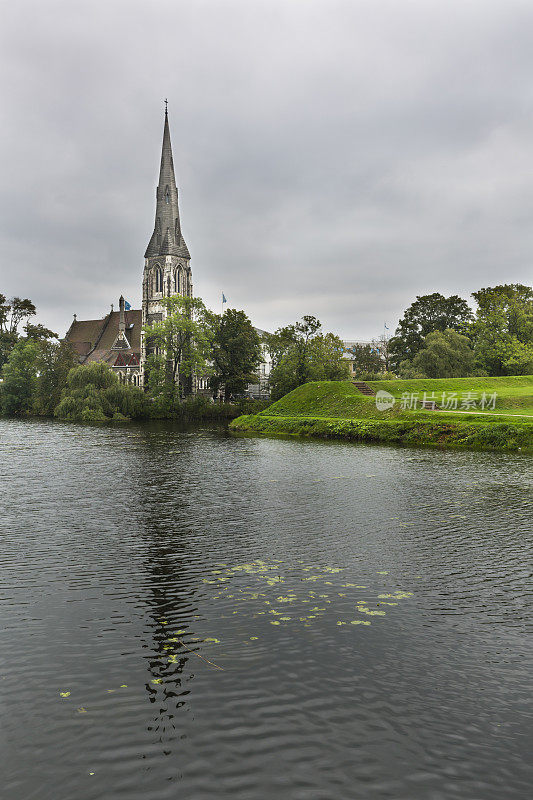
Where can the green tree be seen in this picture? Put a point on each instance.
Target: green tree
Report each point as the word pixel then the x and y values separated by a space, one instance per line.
pixel 235 350
pixel 445 354
pixel 327 362
pixel 12 312
pixel 19 373
pixel 35 375
pixel 292 342
pixel 301 354
pixel 503 329
pixel 54 362
pixel 428 313
pixel 38 332
pixel 161 390
pixel 180 341
pixel 93 393
pixel 366 358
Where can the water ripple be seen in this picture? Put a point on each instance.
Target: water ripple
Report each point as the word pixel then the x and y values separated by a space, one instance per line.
pixel 369 607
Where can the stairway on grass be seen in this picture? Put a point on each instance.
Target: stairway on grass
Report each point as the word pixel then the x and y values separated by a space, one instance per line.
pixel 364 388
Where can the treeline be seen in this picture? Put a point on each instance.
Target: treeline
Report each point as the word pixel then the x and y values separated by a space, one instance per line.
pixel 41 376
pixel 301 353
pixel 227 349
pixel 437 337
pixel 440 337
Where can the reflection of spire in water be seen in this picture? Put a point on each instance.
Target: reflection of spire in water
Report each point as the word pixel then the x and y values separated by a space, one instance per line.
pixel 170 584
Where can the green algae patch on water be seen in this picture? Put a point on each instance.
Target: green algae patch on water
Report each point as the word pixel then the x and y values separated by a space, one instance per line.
pixel 243 603
pixel 262 570
pixel 339 610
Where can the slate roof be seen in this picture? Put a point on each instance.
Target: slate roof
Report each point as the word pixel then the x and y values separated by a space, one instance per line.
pixel 93 339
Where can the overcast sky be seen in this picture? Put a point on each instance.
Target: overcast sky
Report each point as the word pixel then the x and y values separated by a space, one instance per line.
pixel 333 157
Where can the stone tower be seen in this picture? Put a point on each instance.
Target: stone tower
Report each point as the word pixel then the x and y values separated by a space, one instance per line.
pixel 167 268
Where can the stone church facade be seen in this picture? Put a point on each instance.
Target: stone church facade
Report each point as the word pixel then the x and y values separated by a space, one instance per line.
pixel 117 338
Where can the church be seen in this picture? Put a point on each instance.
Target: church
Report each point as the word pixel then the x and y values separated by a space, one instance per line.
pixel 117 339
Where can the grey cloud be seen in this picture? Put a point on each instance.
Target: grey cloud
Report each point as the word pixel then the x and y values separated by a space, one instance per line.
pixel 334 158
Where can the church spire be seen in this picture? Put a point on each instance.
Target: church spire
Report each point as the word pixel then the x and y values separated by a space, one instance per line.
pixel 167 239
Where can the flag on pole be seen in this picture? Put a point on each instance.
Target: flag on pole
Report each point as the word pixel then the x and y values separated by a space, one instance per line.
pixel 127 306
pixel 223 298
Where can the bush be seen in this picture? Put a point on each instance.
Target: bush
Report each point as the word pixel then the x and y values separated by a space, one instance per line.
pixel 93 394
pixel 375 376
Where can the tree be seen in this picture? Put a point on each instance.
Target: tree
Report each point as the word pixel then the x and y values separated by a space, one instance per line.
pixel 54 362
pixel 235 352
pixel 179 341
pixel 38 332
pixel 300 354
pixel 503 329
pixel 428 313
pixel 20 378
pixel 445 354
pixel 366 358
pixel 35 375
pixel 93 394
pixel 12 312
pixel 294 340
pixel 327 362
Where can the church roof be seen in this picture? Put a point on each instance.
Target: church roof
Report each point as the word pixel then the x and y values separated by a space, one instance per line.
pixel 93 339
pixel 167 239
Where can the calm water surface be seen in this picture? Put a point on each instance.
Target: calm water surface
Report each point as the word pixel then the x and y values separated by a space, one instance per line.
pixel 190 615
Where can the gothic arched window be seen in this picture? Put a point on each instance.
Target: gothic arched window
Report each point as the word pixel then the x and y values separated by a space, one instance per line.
pixel 177 280
pixel 158 280
pixel 167 195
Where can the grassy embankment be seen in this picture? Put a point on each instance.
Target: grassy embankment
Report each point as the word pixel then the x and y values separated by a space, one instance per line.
pixel 337 410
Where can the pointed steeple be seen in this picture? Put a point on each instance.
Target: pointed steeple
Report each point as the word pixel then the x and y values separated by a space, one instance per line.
pixel 167 239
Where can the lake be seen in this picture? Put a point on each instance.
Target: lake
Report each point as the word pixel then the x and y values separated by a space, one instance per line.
pixel 191 614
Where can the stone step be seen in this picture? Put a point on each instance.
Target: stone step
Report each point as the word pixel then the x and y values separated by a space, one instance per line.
pixel 364 388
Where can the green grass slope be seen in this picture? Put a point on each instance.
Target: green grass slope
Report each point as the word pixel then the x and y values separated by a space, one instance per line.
pixel 513 394
pixel 506 387
pixel 323 399
pixel 336 409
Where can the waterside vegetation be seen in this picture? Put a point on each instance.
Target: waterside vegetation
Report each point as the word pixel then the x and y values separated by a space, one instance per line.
pixel 337 410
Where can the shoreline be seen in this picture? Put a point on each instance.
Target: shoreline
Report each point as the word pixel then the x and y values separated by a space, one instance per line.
pixel 496 437
pixel 445 435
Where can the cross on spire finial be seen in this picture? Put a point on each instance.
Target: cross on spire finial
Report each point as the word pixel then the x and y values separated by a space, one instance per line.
pixel 166 106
